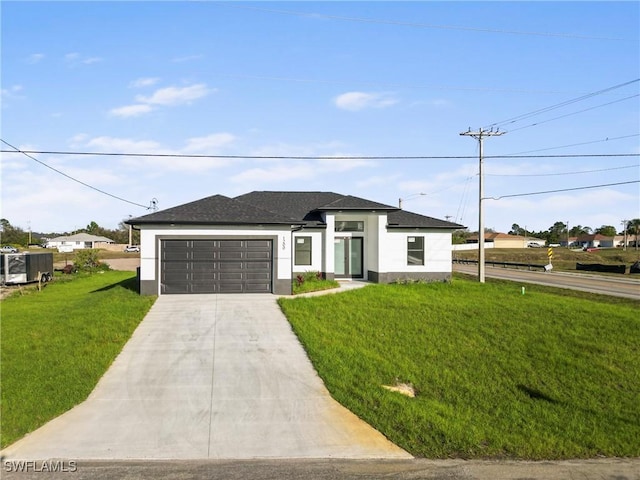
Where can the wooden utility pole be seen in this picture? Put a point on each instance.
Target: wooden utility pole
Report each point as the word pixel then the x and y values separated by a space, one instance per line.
pixel 479 135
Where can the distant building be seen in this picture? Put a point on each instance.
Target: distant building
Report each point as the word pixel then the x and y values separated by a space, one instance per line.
pixel 78 241
pixel 504 240
pixel 595 241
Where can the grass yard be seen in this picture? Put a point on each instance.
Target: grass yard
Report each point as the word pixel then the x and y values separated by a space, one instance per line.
pixel 546 375
pixel 57 343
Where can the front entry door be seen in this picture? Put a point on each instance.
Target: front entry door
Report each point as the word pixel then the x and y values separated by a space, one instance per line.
pixel 348 257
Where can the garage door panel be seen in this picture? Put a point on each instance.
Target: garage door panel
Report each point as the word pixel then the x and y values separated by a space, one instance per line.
pixel 203 288
pixel 261 287
pixel 258 266
pixel 203 266
pixel 232 288
pixel 216 266
pixel 259 244
pixel 205 276
pixel 257 276
pixel 232 266
pixel 231 276
pixel 258 255
pixel 175 287
pixel 177 255
pixel 177 266
pixel 231 244
pixel 203 256
pixel 231 255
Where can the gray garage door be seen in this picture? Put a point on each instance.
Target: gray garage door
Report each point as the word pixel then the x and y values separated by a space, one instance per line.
pixel 216 266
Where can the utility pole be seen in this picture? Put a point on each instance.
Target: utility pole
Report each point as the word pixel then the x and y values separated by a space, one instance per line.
pixel 479 135
pixel 130 233
pixel 624 230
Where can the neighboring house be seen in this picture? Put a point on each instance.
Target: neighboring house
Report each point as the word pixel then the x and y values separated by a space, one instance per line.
pixel 259 241
pixel 504 240
pixel 572 242
pixel 595 241
pixel 621 240
pixel 78 241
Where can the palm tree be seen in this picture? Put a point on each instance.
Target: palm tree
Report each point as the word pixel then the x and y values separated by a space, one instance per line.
pixel 633 226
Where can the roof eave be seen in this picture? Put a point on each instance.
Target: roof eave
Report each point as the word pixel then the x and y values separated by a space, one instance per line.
pixel 199 223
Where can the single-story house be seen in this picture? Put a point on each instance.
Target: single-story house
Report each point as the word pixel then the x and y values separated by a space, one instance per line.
pixel 259 241
pixel 78 241
pixel 504 240
pixel 595 241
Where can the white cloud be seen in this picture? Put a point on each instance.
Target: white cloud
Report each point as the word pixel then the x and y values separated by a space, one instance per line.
pixel 74 58
pixel 144 82
pixel 34 58
pixel 282 171
pixel 11 92
pixel 168 159
pixel 278 173
pixel 131 110
pixel 124 145
pixel 171 96
pixel 209 142
pixel 354 101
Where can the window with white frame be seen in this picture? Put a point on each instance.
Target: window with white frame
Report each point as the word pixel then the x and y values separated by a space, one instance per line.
pixel 302 251
pixel 415 250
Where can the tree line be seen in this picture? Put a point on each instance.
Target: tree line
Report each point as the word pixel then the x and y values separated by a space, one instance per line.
pixel 558 232
pixel 13 235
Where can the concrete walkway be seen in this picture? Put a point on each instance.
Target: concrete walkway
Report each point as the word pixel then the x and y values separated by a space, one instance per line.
pixel 208 377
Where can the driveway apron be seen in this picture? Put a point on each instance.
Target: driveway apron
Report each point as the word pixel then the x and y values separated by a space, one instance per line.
pixel 208 376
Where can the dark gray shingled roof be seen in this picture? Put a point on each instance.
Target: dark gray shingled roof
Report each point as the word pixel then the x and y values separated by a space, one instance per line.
pixel 215 210
pixel 282 208
pixel 404 219
pixel 300 205
pixel 308 206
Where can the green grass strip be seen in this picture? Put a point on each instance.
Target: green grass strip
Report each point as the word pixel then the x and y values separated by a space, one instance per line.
pixel 56 344
pixel 547 375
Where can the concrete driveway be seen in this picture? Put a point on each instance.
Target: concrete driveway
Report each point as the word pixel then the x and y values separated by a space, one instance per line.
pixel 208 376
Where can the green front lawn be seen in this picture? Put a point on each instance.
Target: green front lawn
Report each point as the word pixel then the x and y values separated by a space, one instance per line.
pixel 57 343
pixel 546 375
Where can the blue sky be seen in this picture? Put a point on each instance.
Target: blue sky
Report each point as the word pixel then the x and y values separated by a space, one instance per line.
pixel 321 79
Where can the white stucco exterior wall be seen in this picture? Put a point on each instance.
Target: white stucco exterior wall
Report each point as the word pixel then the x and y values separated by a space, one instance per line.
pixel 437 251
pixel 316 251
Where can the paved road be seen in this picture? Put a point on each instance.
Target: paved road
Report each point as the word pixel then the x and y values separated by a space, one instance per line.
pixel 336 469
pixel 208 377
pixel 619 287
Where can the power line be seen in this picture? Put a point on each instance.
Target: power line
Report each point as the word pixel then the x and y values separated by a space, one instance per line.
pixel 561 190
pixel 319 157
pixel 26 154
pixel 559 174
pixel 578 144
pixel 420 25
pixel 575 113
pixel 561 104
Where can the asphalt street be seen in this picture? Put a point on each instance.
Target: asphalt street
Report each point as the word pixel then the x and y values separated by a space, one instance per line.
pixel 620 287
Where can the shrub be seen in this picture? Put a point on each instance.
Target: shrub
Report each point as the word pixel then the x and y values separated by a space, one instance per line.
pixel 86 260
